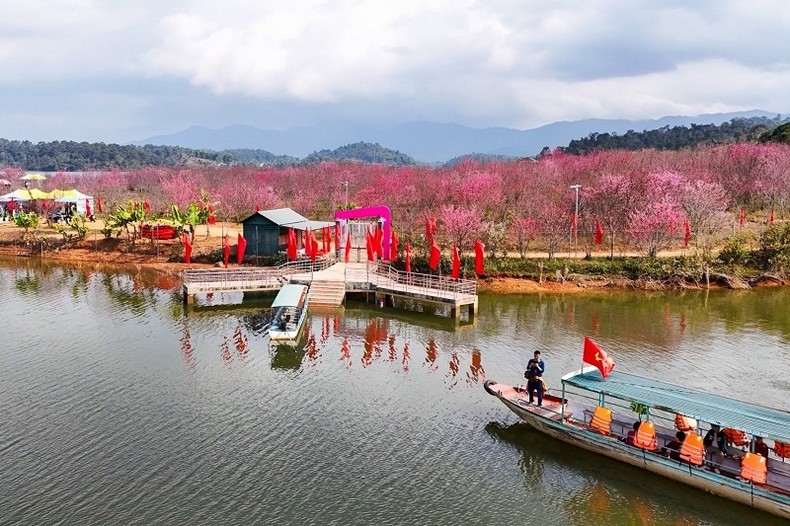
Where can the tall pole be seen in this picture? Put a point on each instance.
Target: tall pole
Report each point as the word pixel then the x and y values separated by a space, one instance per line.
pixel 576 222
pixel 345 183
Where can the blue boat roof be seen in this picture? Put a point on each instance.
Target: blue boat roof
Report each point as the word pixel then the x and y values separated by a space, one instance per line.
pixel 707 407
pixel 290 296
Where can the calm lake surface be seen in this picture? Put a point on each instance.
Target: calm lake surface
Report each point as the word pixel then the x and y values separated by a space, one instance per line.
pixel 117 406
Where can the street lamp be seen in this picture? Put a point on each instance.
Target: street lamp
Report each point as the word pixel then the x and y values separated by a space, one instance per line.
pixel 576 221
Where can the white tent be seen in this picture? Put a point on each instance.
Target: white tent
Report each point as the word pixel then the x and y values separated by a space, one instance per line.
pixel 77 197
pixel 17 195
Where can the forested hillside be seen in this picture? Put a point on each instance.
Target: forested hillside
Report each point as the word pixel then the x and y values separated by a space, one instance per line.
pixel 678 137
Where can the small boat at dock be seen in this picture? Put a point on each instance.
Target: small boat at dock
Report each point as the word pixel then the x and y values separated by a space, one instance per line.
pixel 632 419
pixel 290 310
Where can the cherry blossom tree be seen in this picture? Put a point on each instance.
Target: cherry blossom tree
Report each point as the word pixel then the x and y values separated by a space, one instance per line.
pixel 461 225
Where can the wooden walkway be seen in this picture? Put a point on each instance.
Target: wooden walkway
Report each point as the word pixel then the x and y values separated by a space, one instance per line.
pixel 376 278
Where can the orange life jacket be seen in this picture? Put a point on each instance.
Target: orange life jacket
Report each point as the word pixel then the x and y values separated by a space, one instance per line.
pixel 692 450
pixel 754 468
pixel 645 437
pixel 602 420
pixel 735 437
pixel 685 423
pixel 781 449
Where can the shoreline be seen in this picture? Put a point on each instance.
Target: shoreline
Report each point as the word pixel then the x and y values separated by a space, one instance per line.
pixel 162 257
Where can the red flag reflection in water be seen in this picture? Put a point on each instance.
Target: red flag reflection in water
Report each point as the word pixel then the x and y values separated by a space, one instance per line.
pixel 227 358
pixel 406 356
pixel 187 351
pixel 431 353
pixel 345 352
pixel 455 366
pixel 476 371
pixel 240 340
pixel 393 354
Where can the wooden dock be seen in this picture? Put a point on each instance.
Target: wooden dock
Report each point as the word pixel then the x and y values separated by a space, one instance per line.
pixel 330 280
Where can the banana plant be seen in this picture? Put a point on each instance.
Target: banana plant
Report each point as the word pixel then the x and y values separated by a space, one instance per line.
pixel 27 220
pixel 126 216
pixel 192 216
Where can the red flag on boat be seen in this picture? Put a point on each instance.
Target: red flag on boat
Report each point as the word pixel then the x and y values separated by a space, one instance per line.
pixel 479 258
pixel 88 211
pixel 187 249
pixel 98 205
pixel 394 247
pixel 771 219
pixel 348 246
pixel 241 246
pixel 456 262
pixel 225 251
pixel 436 254
pixel 687 235
pixel 408 257
pixel 596 356
pixel 598 232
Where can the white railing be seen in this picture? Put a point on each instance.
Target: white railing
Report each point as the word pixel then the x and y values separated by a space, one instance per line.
pixel 384 276
pixel 240 278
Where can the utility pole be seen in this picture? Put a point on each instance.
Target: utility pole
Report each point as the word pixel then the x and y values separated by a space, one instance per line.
pixel 576 222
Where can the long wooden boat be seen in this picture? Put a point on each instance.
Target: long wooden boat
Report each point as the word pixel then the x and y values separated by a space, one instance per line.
pixel 597 414
pixel 290 309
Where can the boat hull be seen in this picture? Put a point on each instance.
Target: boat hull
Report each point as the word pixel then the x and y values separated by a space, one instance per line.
pixel 554 426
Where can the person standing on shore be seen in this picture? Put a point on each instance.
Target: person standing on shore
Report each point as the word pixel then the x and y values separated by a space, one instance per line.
pixel 533 374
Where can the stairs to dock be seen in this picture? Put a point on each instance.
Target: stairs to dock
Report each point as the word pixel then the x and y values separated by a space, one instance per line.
pixel 326 293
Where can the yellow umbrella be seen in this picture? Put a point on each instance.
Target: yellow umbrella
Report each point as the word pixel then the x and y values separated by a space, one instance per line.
pixel 33 177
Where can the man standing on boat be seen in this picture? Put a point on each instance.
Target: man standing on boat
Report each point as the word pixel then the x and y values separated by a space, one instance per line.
pixel 533 374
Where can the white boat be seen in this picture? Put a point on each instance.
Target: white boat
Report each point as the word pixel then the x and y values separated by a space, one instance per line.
pixel 597 414
pixel 290 309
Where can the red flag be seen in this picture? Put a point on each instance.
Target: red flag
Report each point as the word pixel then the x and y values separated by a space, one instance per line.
pixel 596 356
pixel 456 262
pixel 211 218
pixel 225 251
pixel 146 206
pixel 98 205
pixel 369 245
pixel 687 235
pixel 290 249
pixel 479 258
pixel 408 257
pixel 394 247
pixel 11 205
pixel 337 236
pixel 88 211
pixel 348 246
pixel 598 232
pixel 771 219
pixel 313 246
pixel 436 254
pixel 742 217
pixel 187 249
pixel 306 242
pixel 377 245
pixel 257 209
pixel 241 246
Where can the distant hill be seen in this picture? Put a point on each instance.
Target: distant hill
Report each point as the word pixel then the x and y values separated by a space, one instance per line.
pixel 428 142
pixel 361 152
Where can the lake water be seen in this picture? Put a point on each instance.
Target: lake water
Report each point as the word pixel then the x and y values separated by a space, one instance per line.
pixel 118 407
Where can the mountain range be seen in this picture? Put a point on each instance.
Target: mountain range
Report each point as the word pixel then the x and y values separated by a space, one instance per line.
pixel 428 142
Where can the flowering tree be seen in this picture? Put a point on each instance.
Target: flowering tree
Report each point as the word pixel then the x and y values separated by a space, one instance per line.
pixel 460 224
pixel 650 226
pixel 704 204
pixel 523 230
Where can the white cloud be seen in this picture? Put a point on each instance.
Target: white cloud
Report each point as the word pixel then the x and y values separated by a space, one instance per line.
pixel 477 62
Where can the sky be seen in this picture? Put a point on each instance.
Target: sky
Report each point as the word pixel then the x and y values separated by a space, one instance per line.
pixel 117 71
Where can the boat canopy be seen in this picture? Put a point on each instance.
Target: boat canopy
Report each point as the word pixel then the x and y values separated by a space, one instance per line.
pixel 290 296
pixel 707 407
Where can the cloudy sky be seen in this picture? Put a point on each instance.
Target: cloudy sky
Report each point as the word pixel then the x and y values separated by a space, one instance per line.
pixel 122 70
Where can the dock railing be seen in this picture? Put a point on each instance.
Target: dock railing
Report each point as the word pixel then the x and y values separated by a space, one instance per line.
pixel 384 276
pixel 205 280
